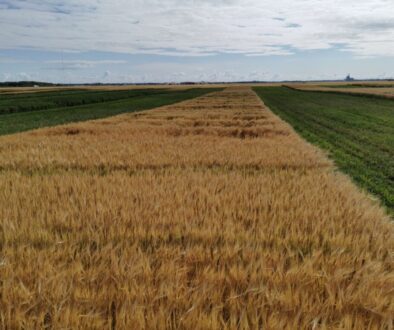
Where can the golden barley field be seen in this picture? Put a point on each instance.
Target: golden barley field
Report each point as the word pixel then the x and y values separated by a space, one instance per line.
pixel 207 214
pixel 382 90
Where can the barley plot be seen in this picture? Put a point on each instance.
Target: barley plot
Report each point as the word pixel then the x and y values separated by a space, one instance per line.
pixel 210 213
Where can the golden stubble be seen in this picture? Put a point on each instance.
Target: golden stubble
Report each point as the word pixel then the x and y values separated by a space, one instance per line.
pixel 208 214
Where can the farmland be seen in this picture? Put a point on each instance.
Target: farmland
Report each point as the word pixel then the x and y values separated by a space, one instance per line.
pixel 25 111
pixel 23 90
pixel 361 89
pixel 357 131
pixel 211 213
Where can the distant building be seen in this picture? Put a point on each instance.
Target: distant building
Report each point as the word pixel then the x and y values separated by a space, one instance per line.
pixel 349 78
pixel 36 86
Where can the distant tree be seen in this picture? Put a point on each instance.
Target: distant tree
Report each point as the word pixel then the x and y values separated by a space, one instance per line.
pixel 25 84
pixel 349 78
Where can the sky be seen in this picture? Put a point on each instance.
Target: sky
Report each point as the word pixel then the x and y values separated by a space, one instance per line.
pixel 139 41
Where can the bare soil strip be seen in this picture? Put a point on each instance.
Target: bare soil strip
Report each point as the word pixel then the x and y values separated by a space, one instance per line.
pixel 208 214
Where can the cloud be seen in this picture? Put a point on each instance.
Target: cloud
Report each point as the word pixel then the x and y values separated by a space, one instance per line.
pixel 24 76
pixel 5 76
pixel 79 64
pixel 293 25
pixel 195 28
pixel 10 60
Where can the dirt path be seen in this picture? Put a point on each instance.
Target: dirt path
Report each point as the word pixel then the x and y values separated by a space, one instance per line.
pixel 208 214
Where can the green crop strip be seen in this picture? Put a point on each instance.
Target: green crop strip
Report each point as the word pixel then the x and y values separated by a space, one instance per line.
pixel 25 112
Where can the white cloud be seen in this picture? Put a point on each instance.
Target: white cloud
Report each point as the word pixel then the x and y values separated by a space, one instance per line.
pixel 24 76
pixel 79 64
pixel 190 27
pixel 10 60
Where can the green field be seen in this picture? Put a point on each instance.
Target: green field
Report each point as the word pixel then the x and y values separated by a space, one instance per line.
pixel 34 110
pixel 47 100
pixel 357 131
